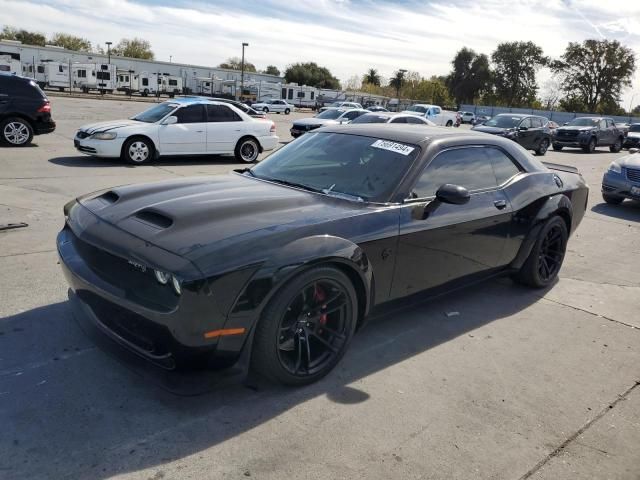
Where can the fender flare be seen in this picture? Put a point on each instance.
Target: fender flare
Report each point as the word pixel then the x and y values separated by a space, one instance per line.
pixel 558 204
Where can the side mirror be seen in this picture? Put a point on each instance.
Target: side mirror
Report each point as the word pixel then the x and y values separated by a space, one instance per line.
pixel 565 123
pixel 453 194
pixel 170 120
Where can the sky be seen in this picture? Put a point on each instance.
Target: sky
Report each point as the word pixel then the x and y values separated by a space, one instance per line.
pixel 347 36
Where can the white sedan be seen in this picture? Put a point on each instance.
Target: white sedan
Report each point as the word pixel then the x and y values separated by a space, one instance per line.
pixel 184 126
pixel 278 106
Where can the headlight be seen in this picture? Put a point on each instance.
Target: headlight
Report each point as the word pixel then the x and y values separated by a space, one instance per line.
pixel 104 136
pixel 176 285
pixel 162 277
pixel 615 167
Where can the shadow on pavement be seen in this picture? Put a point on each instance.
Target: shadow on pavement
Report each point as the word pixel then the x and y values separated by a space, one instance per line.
pixel 627 210
pixel 81 414
pixel 92 162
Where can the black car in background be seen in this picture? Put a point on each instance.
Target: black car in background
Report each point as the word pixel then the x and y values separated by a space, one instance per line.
pixel 277 266
pixel 588 133
pixel 25 110
pixel 242 107
pixel 530 131
pixel 632 140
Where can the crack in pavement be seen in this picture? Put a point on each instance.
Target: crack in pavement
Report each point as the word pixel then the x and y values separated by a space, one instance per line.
pixel 27 253
pixel 558 450
pixel 590 313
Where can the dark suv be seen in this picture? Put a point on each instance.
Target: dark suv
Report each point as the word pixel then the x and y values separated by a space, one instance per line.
pixel 25 110
pixel 588 133
pixel 530 131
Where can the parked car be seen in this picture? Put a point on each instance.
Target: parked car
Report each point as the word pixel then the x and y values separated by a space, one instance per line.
pixel 274 268
pixel 332 116
pixel 588 133
pixel 434 113
pixel 341 105
pixel 376 108
pixel 184 126
pixel 622 179
pixel 242 106
pixel 623 127
pixel 530 131
pixel 277 106
pixel 480 119
pixel 25 110
pixel 389 117
pixel 632 140
pixel 467 117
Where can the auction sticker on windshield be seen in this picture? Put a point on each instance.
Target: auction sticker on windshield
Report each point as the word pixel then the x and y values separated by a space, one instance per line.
pixel 393 147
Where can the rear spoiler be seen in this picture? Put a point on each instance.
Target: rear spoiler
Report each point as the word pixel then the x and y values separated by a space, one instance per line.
pixel 562 168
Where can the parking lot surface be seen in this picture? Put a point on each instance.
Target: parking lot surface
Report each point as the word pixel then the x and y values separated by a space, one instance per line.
pixel 496 381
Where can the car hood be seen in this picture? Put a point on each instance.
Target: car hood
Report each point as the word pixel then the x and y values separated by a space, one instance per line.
pixel 107 126
pixel 492 130
pixel 574 128
pixel 630 161
pixel 193 216
pixel 315 121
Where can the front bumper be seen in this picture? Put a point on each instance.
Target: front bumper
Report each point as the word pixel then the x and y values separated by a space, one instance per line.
pixel 618 185
pixel 631 142
pixel 574 142
pixel 99 148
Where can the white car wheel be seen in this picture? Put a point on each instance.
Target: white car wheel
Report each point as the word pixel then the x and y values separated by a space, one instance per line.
pixel 247 150
pixel 138 151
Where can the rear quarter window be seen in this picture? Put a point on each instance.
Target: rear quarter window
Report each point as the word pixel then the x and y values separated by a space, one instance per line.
pixel 17 87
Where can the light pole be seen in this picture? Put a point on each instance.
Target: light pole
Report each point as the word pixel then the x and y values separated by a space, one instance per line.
pixel 244 44
pixel 108 52
pixel 631 105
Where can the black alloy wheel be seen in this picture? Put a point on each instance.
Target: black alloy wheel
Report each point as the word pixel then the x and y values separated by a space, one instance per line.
pixel 543 146
pixel 306 329
pixel 591 146
pixel 616 147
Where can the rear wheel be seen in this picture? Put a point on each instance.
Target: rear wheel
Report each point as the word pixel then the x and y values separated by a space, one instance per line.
pixel 287 111
pixel 265 110
pixel 449 123
pixel 612 199
pixel 590 147
pixel 306 328
pixel 546 257
pixel 138 150
pixel 16 132
pixel 247 150
pixel 616 147
pixel 557 147
pixel 543 146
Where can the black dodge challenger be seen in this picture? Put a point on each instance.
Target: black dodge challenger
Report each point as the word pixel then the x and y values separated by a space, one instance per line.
pixel 274 268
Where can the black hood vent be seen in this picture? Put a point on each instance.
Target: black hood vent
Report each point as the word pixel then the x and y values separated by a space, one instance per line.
pixel 154 219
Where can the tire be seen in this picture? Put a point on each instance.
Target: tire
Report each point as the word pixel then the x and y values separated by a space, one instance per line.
pixel 15 132
pixel 556 147
pixel 61 89
pixel 611 199
pixel 449 123
pixel 591 146
pixel 145 92
pixel 138 150
pixel 616 147
pixel 287 111
pixel 543 146
pixel 247 150
pixel 279 351
pixel 265 110
pixel 536 271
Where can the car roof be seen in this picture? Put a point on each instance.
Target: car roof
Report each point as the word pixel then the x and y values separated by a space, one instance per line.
pixel 18 77
pixel 399 132
pixel 198 100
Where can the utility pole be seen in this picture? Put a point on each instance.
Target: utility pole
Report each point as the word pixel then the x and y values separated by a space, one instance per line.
pixel 244 44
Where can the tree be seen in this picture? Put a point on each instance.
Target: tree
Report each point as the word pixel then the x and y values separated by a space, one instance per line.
pixel 515 67
pixel 134 48
pixel 551 92
pixel 596 71
pixel 24 36
pixel 70 42
pixel 396 81
pixel 272 70
pixel 354 83
pixel 372 77
pixel 235 63
pixel 470 77
pixel 636 110
pixel 311 74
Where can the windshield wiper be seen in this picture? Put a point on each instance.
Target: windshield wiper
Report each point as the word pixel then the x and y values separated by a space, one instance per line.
pixel 293 184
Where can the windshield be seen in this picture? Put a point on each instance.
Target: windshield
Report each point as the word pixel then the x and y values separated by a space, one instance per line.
pixel 336 104
pixel 416 108
pixel 503 121
pixel 155 113
pixel 330 114
pixel 635 128
pixel 362 167
pixel 370 118
pixel 583 122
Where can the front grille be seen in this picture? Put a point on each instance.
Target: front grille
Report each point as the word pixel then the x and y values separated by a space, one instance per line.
pixel 82 148
pixel 82 135
pixel 633 174
pixel 567 133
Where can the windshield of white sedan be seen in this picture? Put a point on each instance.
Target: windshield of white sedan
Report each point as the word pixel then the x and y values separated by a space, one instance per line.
pixel 583 122
pixel 503 121
pixel 634 128
pixel 362 168
pixel 330 114
pixel 155 113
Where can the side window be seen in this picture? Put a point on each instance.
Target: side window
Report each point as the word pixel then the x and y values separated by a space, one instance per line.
pixel 610 123
pixel 536 122
pixel 40 69
pixel 190 114
pixel 525 123
pixel 400 120
pixel 467 167
pixel 436 110
pixel 603 124
pixel 503 166
pixel 145 82
pixel 290 96
pixel 312 95
pixel 417 120
pixel 352 114
pixel 221 113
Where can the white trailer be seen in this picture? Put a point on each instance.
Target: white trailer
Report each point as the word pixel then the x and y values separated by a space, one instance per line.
pixel 171 85
pixel 56 75
pixel 94 76
pixel 10 65
pixel 125 81
pixel 300 95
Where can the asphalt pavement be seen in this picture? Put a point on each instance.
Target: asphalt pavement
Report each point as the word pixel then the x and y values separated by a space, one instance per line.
pixel 492 382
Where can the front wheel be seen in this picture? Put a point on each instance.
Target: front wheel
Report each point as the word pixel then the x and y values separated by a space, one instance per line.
pixel 449 123
pixel 265 110
pixel 611 199
pixel 138 150
pixel 306 328
pixel 590 147
pixel 247 150
pixel 287 111
pixel 543 146
pixel 616 147
pixel 16 132
pixel 543 263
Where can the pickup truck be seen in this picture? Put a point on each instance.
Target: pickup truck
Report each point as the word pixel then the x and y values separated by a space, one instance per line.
pixel 588 133
pixel 435 114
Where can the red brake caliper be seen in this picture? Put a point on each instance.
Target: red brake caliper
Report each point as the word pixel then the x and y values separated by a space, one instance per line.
pixel 319 296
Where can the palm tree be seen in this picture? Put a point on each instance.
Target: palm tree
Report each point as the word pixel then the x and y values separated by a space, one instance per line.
pixel 372 77
pixel 396 81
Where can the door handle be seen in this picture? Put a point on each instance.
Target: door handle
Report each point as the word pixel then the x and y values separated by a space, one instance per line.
pixel 500 204
pixel 199 131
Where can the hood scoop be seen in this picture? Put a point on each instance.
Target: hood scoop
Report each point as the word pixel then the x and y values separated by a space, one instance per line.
pixel 154 219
